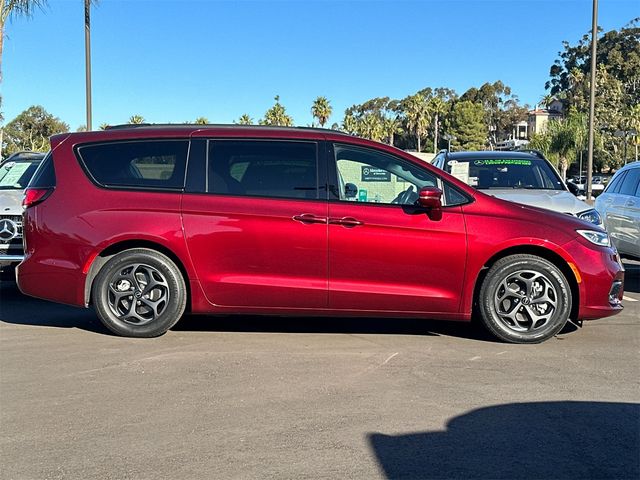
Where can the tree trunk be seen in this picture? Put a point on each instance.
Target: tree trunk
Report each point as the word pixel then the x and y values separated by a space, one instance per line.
pixel 563 168
pixel 418 138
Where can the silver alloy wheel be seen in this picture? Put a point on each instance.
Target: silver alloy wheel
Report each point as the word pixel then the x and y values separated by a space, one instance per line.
pixel 526 301
pixel 138 294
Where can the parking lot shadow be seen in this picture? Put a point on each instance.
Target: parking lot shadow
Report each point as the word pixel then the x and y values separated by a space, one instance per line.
pixel 542 440
pixel 19 309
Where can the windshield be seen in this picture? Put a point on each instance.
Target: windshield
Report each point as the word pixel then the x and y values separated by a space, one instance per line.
pixel 493 173
pixel 16 175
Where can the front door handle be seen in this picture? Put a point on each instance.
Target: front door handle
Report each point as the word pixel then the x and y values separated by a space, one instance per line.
pixel 346 222
pixel 309 218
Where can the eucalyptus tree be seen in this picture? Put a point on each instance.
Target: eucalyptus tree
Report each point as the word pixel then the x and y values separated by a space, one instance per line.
pixel 321 110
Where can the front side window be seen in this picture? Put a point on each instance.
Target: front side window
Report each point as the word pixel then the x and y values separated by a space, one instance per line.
pixel 154 164
pixel 369 176
pixel 263 168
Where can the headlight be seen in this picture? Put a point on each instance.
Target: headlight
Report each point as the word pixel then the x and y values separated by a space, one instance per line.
pixel 597 238
pixel 591 216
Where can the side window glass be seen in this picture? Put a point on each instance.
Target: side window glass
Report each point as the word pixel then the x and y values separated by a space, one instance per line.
pixel 369 176
pixel 630 182
pixel 614 185
pixel 453 196
pixel 272 168
pixel 147 164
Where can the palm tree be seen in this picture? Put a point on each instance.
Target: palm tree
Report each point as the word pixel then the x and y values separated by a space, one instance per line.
pixel 136 119
pixel 321 109
pixel 416 113
pixel 437 107
pixel 277 115
pixel 201 121
pixel 244 119
pixel 10 9
pixel 390 127
pixel 103 126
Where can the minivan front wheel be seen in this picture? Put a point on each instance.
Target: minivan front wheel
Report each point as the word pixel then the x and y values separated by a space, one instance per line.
pixel 524 299
pixel 139 293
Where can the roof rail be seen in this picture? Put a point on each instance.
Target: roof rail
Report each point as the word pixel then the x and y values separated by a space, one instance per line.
pixel 537 153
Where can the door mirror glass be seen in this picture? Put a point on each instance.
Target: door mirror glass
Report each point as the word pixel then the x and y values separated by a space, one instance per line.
pixel 430 198
pixel 350 190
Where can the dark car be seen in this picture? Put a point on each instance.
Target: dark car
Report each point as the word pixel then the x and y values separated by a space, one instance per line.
pixel 294 221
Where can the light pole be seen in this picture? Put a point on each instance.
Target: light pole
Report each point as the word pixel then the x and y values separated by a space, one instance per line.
pixel 448 137
pixel 592 94
pixel 87 57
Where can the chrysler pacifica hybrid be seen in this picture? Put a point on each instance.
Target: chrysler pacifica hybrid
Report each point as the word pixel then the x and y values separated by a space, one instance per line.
pixel 146 222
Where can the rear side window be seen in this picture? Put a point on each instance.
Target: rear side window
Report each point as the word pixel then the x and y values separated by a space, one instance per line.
pixel 614 185
pixel 153 164
pixel 280 169
pixel 45 175
pixel 630 182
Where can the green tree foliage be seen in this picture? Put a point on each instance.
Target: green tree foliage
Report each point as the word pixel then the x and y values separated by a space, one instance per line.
pixel 467 124
pixel 136 119
pixel 201 121
pixel 501 109
pixel 371 119
pixel 617 85
pixel 277 115
pixel 31 130
pixel 415 111
pixel 321 110
pixel 244 119
pixel 103 126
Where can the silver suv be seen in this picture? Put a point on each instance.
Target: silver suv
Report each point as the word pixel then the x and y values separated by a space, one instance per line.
pixel 619 206
pixel 519 176
pixel 15 173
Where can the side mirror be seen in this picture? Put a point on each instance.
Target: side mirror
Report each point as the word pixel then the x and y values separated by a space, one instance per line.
pixel 430 198
pixel 573 188
pixel 350 190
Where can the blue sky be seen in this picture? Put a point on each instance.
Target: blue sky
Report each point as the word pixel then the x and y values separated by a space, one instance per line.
pixel 173 61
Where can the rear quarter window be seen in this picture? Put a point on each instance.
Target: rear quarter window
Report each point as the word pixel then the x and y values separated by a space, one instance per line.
pixel 147 164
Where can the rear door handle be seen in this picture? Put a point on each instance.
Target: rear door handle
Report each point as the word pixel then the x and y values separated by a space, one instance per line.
pixel 345 222
pixel 309 218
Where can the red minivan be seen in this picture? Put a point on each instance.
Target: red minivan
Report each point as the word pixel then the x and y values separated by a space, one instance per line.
pixel 145 222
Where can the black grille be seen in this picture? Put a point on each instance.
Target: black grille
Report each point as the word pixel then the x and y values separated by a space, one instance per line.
pixel 17 219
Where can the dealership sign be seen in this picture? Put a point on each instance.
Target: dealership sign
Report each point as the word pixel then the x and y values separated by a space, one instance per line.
pixel 372 174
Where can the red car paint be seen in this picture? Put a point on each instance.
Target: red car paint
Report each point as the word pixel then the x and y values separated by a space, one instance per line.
pixel 244 254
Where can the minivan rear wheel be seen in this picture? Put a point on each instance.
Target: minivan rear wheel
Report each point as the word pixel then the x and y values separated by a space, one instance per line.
pixel 524 299
pixel 139 293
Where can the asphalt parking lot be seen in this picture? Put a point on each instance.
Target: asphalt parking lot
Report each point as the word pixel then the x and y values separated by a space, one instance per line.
pixel 314 398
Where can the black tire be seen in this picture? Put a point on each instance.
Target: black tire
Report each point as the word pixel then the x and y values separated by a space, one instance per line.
pixel 524 299
pixel 139 293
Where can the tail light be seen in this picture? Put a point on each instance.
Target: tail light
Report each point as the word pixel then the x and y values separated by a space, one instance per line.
pixel 34 196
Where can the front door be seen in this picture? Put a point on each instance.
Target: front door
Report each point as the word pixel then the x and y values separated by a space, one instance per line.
pixel 255 223
pixel 386 254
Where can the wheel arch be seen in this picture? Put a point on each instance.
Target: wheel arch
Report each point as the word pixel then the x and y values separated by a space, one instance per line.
pixel 538 251
pixel 104 255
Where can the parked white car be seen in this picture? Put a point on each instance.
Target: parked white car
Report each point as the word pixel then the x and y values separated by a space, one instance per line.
pixel 519 176
pixel 619 206
pixel 15 173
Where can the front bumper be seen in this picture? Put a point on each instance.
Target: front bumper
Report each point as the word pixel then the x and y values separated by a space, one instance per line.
pixel 601 279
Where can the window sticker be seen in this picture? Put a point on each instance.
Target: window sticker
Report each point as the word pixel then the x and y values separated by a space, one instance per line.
pixel 461 171
pixel 503 161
